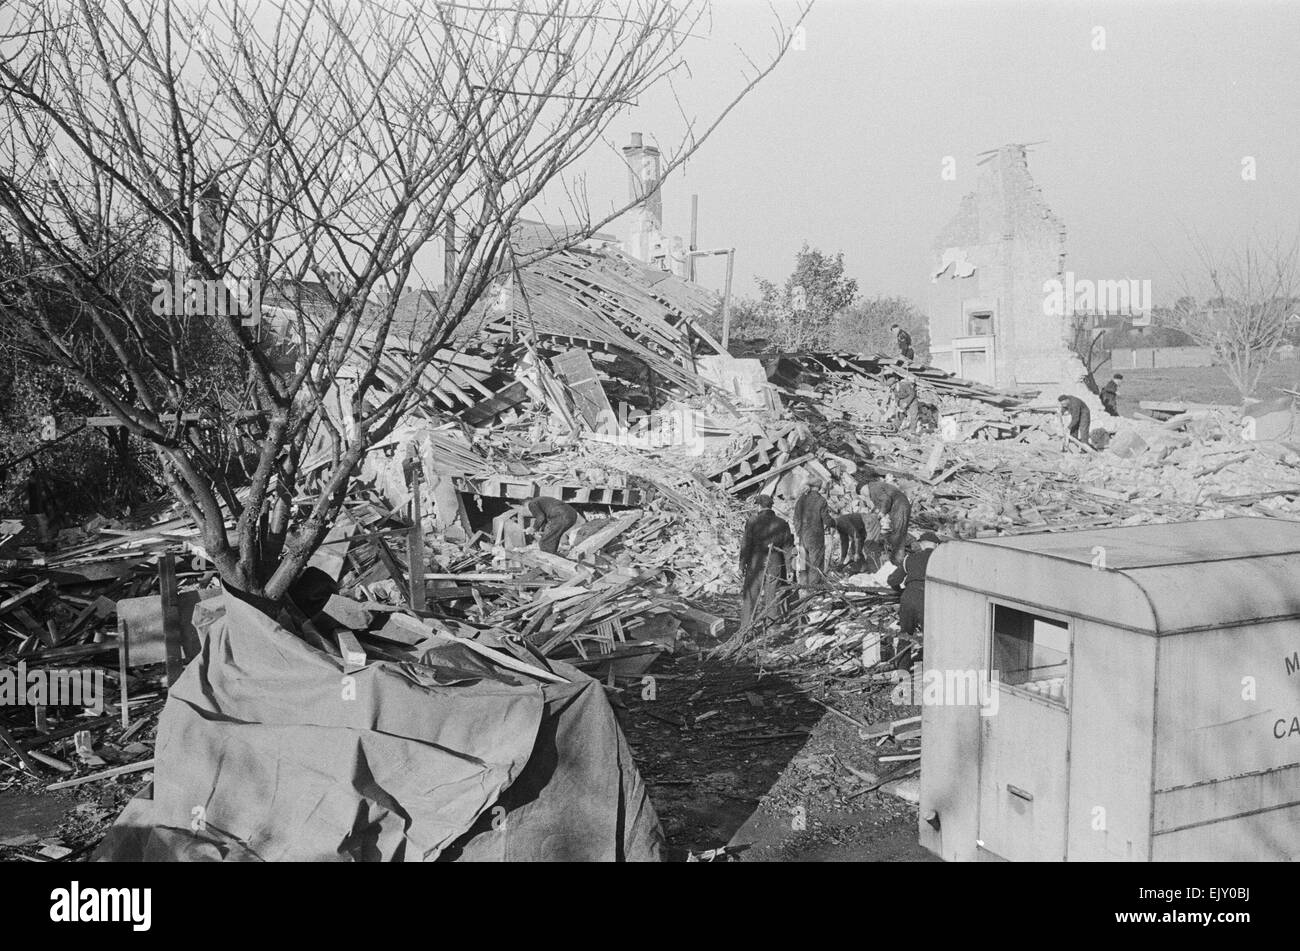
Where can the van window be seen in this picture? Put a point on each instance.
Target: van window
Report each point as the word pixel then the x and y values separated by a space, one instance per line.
pixel 1031 652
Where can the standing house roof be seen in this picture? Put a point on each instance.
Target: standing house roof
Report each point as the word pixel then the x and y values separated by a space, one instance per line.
pixel 1151 579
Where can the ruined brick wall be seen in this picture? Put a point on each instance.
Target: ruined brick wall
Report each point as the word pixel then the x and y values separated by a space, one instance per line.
pixel 1006 232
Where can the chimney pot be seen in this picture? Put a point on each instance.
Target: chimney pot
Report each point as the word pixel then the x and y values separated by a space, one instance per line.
pixel 636 140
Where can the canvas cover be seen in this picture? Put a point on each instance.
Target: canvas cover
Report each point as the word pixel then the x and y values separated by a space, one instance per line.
pixel 268 750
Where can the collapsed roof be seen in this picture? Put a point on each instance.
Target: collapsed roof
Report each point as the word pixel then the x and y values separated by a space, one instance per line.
pixel 591 297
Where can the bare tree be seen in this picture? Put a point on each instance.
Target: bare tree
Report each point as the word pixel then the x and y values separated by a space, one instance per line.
pixel 1083 343
pixel 321 142
pixel 1245 300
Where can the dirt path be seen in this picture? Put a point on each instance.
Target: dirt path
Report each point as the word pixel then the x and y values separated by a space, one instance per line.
pixel 737 757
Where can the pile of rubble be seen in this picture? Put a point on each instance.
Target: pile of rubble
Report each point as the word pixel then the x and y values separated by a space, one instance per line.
pixel 426 553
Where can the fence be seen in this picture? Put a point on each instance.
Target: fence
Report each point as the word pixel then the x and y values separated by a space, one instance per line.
pixel 1125 358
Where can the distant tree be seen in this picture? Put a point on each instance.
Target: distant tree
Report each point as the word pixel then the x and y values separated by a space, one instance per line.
pixel 814 295
pixel 750 323
pixel 1244 317
pixel 798 314
pixel 864 327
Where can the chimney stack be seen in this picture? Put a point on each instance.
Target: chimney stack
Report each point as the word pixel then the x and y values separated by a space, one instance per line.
pixel 643 187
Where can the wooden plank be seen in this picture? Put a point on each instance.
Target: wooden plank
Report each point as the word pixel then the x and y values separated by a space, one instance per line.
pixel 462 359
pixel 599 601
pixel 353 615
pixel 598 540
pixel 391 564
pixel 1255 496
pixel 50 761
pixel 123 662
pixel 469 576
pixel 105 774
pixel 171 616
pixel 10 604
pixel 7 738
pixel 111 422
pixel 575 368
pixel 486 410
pixel 504 659
pixel 415 540
pixel 404 630
pixel 470 383
pixel 34 743
pixel 354 655
pixel 769 474
pixel 695 621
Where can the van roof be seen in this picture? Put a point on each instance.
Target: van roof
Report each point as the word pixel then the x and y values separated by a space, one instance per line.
pixel 1174 543
pixel 1154 579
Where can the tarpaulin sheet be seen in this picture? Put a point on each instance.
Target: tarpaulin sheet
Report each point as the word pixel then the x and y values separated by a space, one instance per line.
pixel 268 750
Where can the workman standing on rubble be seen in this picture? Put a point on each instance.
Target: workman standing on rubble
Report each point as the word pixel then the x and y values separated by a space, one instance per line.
pixel 909 405
pixel 895 511
pixel 765 552
pixel 554 518
pixel 1075 417
pixel 904 342
pixel 812 520
pixel 909 578
pixel 1110 395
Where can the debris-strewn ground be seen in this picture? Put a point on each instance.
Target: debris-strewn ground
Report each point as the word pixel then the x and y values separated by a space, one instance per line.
pixel 41 825
pixel 769 769
pixel 740 755
pixel 765 743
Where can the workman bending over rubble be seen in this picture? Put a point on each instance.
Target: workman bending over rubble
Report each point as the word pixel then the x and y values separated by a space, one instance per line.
pixel 909 405
pixel 895 511
pixel 554 518
pixel 909 578
pixel 764 563
pixel 859 541
pixel 1075 417
pixel 812 520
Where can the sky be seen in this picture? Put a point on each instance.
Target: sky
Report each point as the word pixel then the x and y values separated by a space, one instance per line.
pixel 1143 140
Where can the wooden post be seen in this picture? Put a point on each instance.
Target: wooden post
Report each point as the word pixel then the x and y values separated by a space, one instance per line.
pixel 726 300
pixel 171 616
pixel 695 233
pixel 123 661
pixel 449 250
pixel 415 541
